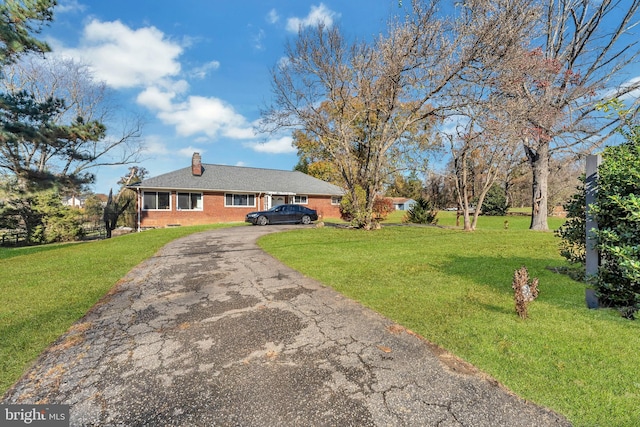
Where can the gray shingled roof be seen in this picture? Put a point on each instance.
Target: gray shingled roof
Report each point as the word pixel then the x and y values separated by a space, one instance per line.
pixel 241 179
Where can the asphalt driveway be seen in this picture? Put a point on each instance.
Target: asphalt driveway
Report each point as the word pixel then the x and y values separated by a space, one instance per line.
pixel 213 331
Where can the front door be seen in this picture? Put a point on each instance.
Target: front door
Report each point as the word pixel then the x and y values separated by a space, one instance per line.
pixel 278 200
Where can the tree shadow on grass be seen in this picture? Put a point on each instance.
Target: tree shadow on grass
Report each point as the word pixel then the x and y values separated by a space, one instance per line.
pixel 500 309
pixel 497 272
pixel 8 252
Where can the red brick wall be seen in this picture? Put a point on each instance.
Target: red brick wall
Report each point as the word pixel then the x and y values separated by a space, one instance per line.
pixel 324 207
pixel 215 211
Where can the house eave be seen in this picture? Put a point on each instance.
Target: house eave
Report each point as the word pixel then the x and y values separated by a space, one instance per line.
pixel 228 190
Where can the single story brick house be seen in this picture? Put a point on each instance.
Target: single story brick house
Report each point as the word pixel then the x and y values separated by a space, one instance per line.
pixel 209 193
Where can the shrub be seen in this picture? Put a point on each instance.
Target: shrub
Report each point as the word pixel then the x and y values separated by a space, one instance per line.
pixel 355 212
pixel 382 207
pixel 41 216
pixel 351 210
pixel 422 212
pixel 129 216
pixel 617 212
pixel 58 223
pixel 495 202
pixel 94 209
pixel 524 290
pixel 573 231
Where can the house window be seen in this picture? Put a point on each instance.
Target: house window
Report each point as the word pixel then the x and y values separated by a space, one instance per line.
pixel 335 200
pixel 156 200
pixel 240 200
pixel 190 201
pixel 300 200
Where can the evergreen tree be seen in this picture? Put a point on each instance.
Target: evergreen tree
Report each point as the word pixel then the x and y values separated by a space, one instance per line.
pixel 495 202
pixel 19 21
pixel 422 212
pixel 35 152
pixel 31 144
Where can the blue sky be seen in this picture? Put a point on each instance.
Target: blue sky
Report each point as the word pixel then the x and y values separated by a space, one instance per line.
pixel 197 70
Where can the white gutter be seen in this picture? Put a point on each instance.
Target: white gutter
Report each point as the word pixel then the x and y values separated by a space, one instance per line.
pixel 139 209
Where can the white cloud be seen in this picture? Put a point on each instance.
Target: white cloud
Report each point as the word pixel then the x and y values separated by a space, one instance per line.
pixel 66 6
pixel 124 57
pixel 275 146
pixel 153 144
pixel 317 15
pixel 160 98
pixel 452 125
pixel 174 86
pixel 284 62
pixel 240 132
pixel 202 71
pixel 147 60
pixel 257 40
pixel 631 87
pixel 272 16
pixel 155 99
pixel 197 115
pixel 188 151
pixel 206 115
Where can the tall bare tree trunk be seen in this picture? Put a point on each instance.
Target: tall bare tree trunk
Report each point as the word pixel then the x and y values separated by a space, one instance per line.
pixel 539 161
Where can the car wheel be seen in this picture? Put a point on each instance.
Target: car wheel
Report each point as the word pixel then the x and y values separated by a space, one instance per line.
pixel 262 220
pixel 306 219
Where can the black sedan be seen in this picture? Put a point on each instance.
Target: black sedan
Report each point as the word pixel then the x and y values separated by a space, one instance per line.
pixel 283 214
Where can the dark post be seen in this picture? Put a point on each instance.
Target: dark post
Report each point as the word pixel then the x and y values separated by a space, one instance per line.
pixel 592 256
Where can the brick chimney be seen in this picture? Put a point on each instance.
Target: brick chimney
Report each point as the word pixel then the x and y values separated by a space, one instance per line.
pixel 196 164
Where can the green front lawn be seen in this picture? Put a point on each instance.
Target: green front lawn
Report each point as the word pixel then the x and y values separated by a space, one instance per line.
pixel 45 289
pixel 454 288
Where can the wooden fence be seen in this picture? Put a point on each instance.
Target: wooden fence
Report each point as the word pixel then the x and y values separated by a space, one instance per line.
pixel 19 238
pixel 12 238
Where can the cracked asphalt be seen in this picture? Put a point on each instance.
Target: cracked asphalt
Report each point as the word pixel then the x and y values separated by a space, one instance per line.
pixel 213 331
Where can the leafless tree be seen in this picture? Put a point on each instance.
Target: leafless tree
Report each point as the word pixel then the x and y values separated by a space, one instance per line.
pixel 367 103
pixel 480 148
pixel 356 100
pixel 85 98
pixel 551 92
pixel 479 159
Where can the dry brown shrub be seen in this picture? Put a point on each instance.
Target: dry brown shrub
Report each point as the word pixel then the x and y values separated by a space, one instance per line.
pixel 524 291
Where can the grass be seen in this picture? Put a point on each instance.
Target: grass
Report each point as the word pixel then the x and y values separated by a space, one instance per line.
pixel 454 288
pixel 45 289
